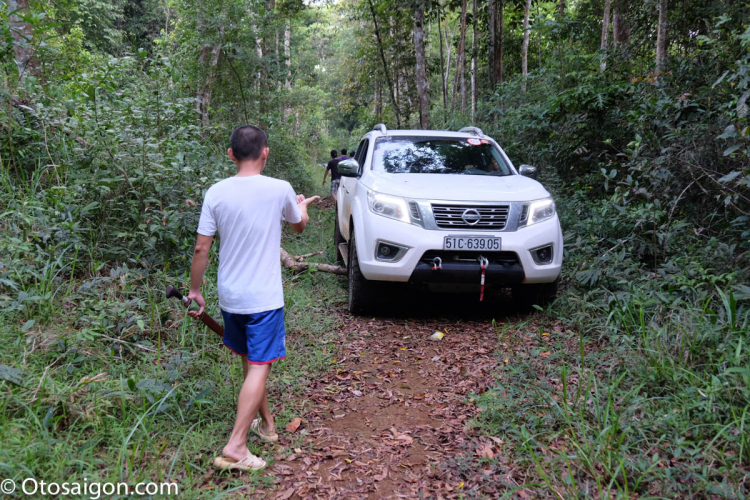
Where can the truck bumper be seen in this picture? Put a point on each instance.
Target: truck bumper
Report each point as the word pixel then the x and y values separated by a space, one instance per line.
pixel 513 264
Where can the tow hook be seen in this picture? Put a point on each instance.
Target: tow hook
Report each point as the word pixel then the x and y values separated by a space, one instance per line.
pixel 437 264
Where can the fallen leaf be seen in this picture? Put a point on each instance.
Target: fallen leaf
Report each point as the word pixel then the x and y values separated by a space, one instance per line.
pixel 381 476
pixel 545 354
pixel 293 426
pixel 485 451
pixel 285 494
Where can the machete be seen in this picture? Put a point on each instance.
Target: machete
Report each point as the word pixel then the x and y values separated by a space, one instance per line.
pixel 205 318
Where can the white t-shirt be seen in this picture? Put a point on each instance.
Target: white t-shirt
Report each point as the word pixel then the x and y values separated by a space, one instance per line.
pixel 247 212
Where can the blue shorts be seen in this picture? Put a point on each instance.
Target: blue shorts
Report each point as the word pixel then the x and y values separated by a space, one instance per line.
pixel 259 336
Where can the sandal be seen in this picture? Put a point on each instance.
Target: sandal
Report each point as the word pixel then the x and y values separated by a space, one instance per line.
pixel 266 438
pixel 249 463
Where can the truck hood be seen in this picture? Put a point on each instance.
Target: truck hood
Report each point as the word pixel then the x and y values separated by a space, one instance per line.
pixel 456 187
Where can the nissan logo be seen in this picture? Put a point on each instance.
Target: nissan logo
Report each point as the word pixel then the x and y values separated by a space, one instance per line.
pixel 471 217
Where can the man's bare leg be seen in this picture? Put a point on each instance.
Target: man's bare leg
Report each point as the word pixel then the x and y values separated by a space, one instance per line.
pixel 252 394
pixel 269 427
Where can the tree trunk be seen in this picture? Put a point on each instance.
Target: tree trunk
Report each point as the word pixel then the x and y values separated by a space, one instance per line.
pixel 23 35
pixel 605 33
pixel 525 51
pixel 385 66
pixel 620 28
pixel 460 76
pixel 210 57
pixel 497 58
pixel 661 38
pixel 448 40
pixel 491 22
pixel 561 8
pixel 288 63
pixel 474 63
pixel 443 76
pixel 422 90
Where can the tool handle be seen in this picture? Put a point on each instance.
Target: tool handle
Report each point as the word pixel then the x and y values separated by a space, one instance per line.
pixel 205 318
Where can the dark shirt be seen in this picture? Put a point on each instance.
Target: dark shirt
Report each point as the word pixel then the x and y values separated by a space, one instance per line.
pixel 333 167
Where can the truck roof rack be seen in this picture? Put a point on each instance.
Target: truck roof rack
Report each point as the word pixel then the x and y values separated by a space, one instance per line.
pixel 381 128
pixel 472 130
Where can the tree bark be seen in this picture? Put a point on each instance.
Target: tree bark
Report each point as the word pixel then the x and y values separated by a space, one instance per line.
pixel 448 40
pixel 661 38
pixel 23 35
pixel 525 51
pixel 620 28
pixel 497 58
pixel 210 57
pixel 422 88
pixel 460 76
pixel 605 33
pixel 288 63
pixel 491 22
pixel 385 65
pixel 561 8
pixel 474 62
pixel 443 76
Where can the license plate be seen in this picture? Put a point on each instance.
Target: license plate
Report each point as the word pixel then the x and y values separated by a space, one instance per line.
pixel 471 243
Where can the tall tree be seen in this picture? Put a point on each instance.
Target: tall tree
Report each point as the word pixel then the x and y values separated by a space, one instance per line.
pixel 23 34
pixel 460 75
pixel 661 38
pixel 497 46
pixel 208 58
pixel 288 64
pixel 605 33
pixel 620 27
pixel 443 76
pixel 422 91
pixel 525 51
pixel 385 65
pixel 474 62
pixel 491 14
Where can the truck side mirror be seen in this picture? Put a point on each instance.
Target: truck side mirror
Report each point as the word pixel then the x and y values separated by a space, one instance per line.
pixel 348 168
pixel 528 171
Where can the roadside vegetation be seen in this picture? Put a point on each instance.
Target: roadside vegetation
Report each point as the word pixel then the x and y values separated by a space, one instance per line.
pixel 114 120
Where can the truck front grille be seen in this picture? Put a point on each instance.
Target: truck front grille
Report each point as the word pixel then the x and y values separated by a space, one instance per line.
pixel 470 216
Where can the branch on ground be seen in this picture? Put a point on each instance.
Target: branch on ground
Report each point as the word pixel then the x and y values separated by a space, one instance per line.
pixel 297 265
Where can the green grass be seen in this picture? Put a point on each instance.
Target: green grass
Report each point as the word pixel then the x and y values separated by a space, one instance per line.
pixel 645 392
pixel 118 384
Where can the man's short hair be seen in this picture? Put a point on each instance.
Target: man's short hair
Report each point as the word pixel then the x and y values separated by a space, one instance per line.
pixel 334 154
pixel 247 142
pixel 343 151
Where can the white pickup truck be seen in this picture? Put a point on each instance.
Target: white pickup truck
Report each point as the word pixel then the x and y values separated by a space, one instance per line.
pixel 445 211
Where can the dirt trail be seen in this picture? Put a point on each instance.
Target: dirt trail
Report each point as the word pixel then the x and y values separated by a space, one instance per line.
pixel 391 417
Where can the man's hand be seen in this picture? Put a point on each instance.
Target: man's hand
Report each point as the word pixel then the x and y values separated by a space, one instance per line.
pixel 198 298
pixel 303 202
pixel 323 184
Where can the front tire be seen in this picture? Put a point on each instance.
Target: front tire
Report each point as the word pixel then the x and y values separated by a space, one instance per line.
pixel 540 294
pixel 361 294
pixel 337 238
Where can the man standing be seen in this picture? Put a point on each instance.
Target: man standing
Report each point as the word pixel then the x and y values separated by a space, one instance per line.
pixel 247 211
pixel 335 176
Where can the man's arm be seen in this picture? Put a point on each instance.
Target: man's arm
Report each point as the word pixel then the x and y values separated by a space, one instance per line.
pixel 324 177
pixel 197 269
pixel 302 203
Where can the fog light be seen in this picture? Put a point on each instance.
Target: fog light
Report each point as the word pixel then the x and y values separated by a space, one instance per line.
pixel 542 255
pixel 389 251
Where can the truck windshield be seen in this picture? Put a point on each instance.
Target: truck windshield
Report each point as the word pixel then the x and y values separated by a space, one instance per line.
pixel 437 155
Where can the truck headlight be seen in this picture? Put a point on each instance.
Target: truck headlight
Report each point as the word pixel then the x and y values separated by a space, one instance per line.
pixel 540 210
pixel 388 206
